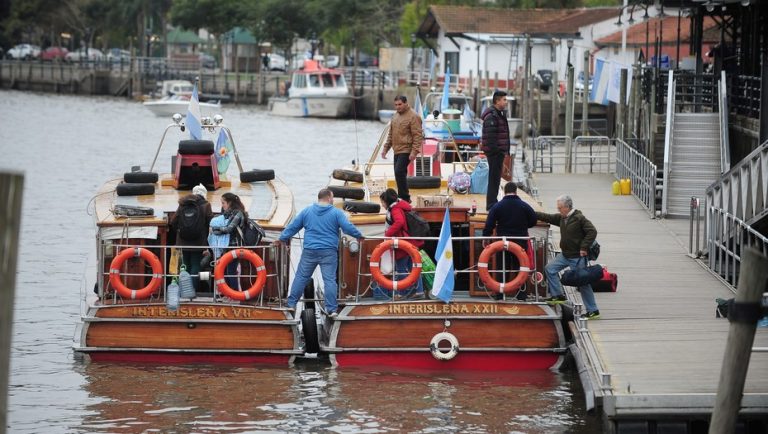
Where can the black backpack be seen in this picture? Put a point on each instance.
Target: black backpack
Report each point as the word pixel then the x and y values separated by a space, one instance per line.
pixel 594 251
pixel 252 233
pixel 417 226
pixel 191 222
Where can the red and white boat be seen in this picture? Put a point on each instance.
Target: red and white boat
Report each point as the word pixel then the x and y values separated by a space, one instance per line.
pixel 314 91
pixel 475 330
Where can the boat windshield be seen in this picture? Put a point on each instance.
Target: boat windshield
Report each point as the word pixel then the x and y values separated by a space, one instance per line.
pixel 457 102
pixel 340 82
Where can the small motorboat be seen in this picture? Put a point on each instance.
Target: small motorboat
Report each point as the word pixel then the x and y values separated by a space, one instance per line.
pixel 174 98
pixel 386 115
pixel 314 91
pixel 134 311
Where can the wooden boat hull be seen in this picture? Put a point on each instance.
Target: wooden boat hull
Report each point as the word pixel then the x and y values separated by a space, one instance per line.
pixel 491 335
pixel 196 332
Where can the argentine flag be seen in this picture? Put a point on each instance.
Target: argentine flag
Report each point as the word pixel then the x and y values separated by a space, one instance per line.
pixel 442 287
pixel 193 116
pixel 444 104
pixel 223 149
pixel 417 104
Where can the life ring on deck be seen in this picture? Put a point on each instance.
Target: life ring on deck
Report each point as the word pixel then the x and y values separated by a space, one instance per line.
pixel 221 266
pixel 117 264
pixel 382 280
pixel 439 354
pixel 485 257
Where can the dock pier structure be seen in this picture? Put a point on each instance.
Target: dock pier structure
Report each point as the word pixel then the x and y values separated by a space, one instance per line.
pixel 652 363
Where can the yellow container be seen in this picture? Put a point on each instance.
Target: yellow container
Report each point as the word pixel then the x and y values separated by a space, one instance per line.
pixel 626 186
pixel 616 188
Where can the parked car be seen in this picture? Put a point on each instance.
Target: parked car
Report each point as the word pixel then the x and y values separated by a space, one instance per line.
pixel 544 78
pixel 118 55
pixel 54 53
pixel 579 84
pixel 276 62
pixel 24 51
pixel 80 55
pixel 207 61
pixel 363 60
pixel 332 61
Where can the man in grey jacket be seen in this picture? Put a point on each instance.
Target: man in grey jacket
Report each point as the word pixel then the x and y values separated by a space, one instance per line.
pixel 577 234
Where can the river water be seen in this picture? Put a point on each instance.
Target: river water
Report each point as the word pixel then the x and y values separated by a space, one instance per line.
pixel 67 147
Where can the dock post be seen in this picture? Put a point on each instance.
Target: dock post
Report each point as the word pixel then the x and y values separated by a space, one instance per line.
pixel 11 188
pixel 743 316
pixel 555 94
pixel 585 97
pixel 621 114
pixel 569 119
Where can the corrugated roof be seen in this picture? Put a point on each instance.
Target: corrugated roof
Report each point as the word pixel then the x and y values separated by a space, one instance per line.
pixel 179 36
pixel 240 36
pixel 636 34
pixel 455 20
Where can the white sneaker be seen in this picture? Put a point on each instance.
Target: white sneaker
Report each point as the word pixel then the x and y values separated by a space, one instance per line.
pixel 333 315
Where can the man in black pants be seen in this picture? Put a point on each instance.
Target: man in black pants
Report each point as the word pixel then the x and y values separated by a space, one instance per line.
pixel 495 144
pixel 405 137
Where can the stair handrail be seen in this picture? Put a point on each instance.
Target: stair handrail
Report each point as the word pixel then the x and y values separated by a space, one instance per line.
pixel 727 236
pixel 725 148
pixel 668 140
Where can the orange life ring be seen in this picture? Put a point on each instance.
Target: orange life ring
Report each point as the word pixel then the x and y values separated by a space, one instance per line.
pixel 117 264
pixel 485 257
pixel 221 266
pixel 382 280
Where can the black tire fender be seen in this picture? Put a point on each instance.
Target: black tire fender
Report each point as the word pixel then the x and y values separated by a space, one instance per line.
pixel 347 175
pixel 126 189
pixel 362 207
pixel 347 192
pixel 140 177
pixel 196 147
pixel 256 175
pixel 423 182
pixel 309 327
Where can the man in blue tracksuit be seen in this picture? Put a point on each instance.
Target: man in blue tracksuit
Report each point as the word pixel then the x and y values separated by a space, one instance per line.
pixel 321 223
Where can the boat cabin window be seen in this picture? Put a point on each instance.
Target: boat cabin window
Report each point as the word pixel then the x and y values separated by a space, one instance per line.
pixel 327 80
pixel 340 82
pixel 314 80
pixel 299 81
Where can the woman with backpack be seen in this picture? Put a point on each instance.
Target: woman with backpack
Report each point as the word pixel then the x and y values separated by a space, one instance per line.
pixel 190 223
pixel 397 226
pixel 233 211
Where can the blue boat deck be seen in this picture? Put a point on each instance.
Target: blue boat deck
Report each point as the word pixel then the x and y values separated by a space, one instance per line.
pixel 656 352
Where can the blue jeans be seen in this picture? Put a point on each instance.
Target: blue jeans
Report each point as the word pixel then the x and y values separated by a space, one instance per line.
pixel 553 279
pixel 402 269
pixel 328 261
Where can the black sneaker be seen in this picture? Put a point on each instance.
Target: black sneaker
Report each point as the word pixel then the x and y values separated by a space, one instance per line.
pixel 591 315
pixel 560 299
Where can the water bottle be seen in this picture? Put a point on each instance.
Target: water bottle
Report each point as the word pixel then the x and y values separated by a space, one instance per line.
pixel 172 296
pixel 474 207
pixel 186 286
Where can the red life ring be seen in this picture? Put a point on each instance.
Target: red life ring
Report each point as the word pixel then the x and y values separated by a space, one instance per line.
pixel 382 280
pixel 492 249
pixel 117 264
pixel 221 266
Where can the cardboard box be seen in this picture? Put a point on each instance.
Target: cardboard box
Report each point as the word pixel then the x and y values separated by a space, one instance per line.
pixel 440 200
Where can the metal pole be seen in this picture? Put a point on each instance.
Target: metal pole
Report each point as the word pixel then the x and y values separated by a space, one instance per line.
pixel 585 96
pixel 569 119
pixel 741 335
pixel 621 114
pixel 11 188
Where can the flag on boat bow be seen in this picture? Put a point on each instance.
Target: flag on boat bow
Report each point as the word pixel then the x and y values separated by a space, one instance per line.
pixel 442 286
pixel 223 149
pixel 194 116
pixel 444 102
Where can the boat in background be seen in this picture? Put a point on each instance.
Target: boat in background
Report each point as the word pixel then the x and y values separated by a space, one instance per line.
pixel 174 98
pixel 314 91
pixel 385 115
pixel 131 311
pixel 485 326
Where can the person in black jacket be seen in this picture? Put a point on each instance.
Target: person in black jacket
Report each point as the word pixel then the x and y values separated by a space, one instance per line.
pixel 192 230
pixel 495 144
pixel 511 217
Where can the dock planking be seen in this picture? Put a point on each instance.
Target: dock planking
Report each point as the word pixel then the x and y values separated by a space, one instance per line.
pixel 658 337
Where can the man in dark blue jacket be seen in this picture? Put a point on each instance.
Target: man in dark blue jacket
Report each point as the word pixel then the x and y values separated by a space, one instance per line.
pixel 511 217
pixel 495 144
pixel 321 223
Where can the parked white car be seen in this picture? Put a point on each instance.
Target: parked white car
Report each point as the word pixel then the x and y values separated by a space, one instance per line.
pixel 24 51
pixel 332 61
pixel 80 55
pixel 276 62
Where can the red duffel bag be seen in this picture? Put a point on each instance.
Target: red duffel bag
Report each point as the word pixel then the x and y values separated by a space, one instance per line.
pixel 608 283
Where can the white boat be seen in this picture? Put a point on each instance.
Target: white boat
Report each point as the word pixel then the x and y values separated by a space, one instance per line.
pixel 386 115
pixel 314 92
pixel 174 98
pixel 178 104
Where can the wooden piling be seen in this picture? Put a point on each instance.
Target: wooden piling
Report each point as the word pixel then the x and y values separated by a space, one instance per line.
pixel 553 90
pixel 741 334
pixel 585 97
pixel 569 119
pixel 11 188
pixel 621 113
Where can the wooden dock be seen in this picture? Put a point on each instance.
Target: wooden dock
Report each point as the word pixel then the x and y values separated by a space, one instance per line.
pixel 652 362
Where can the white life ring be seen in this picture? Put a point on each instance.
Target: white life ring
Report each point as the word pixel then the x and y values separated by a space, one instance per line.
pixel 434 346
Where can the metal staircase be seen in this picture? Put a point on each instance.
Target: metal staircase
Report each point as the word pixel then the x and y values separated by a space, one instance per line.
pixel 695 156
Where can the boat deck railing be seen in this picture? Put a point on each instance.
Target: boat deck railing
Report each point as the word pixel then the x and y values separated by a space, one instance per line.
pixel 533 282
pixel 170 257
